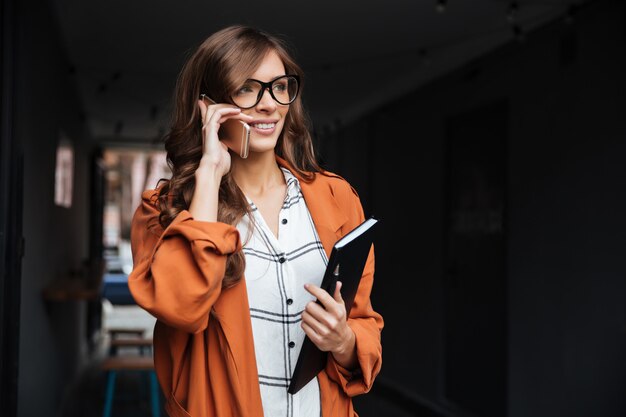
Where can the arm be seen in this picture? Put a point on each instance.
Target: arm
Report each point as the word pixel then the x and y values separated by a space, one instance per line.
pixel 365 323
pixel 178 272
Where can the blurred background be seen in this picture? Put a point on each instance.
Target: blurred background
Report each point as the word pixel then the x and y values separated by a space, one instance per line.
pixel 489 137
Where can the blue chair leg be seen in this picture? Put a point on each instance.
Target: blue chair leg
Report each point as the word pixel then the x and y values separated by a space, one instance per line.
pixel 108 400
pixel 145 382
pixel 154 395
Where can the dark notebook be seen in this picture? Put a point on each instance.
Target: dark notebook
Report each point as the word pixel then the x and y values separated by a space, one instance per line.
pixel 346 264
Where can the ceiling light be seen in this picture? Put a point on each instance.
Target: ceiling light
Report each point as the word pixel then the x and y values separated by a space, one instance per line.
pixel 512 12
pixel 441 6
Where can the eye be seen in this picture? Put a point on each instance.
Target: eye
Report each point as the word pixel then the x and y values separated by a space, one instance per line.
pixel 280 86
pixel 245 89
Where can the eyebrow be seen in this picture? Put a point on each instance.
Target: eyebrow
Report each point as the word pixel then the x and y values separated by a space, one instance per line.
pixel 275 78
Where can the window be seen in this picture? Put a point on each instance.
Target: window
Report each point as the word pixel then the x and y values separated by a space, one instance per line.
pixel 64 173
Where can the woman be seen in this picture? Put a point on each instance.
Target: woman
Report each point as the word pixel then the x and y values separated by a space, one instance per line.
pixel 229 253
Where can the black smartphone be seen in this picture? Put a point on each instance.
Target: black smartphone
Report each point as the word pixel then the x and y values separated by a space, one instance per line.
pixel 234 133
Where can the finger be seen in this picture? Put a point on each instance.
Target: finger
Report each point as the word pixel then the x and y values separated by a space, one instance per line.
pixel 325 298
pixel 215 119
pixel 211 125
pixel 337 295
pixel 317 312
pixel 241 116
pixel 207 104
pixel 314 324
pixel 203 110
pixel 217 116
pixel 209 107
pixel 329 318
pixel 244 117
pixel 310 332
pixel 328 302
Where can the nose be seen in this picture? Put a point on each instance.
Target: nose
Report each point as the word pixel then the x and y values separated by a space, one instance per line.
pixel 266 103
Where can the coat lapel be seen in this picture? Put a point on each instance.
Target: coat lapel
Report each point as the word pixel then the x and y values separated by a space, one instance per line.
pixel 322 205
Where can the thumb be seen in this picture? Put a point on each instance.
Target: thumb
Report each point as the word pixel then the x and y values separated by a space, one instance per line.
pixel 337 295
pixel 203 110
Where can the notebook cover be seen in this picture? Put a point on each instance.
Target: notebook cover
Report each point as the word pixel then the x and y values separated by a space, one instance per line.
pixel 351 259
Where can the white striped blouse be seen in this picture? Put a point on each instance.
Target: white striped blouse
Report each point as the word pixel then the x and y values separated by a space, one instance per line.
pixel 276 270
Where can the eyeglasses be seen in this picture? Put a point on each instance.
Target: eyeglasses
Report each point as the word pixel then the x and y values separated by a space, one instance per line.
pixel 283 89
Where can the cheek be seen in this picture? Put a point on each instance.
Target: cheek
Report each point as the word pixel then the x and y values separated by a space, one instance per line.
pixel 285 116
pixel 284 125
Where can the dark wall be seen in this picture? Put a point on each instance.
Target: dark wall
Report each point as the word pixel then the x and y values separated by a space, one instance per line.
pixel 52 334
pixel 564 225
pixel 568 233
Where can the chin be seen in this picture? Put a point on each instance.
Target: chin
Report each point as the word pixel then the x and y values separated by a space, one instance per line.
pixel 260 145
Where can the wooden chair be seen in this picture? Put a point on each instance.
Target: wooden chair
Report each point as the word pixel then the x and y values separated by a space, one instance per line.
pixel 126 331
pixel 116 362
pixel 143 344
pixel 130 363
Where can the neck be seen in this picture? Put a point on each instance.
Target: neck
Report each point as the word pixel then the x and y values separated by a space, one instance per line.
pixel 258 173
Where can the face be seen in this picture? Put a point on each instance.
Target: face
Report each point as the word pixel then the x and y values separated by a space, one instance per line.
pixel 269 116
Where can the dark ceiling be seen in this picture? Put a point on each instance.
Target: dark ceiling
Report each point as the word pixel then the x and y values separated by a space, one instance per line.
pixel 357 55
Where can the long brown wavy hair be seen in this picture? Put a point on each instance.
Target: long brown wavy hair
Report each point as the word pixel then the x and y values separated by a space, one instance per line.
pixel 217 67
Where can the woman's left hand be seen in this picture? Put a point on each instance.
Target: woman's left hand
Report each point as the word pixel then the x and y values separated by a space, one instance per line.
pixel 327 325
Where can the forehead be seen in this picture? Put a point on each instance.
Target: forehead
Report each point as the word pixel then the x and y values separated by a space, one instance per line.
pixel 271 67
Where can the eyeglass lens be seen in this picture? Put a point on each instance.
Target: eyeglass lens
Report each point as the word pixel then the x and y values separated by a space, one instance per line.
pixel 283 89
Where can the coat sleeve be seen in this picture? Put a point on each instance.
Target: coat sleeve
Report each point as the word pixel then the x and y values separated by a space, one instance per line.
pixel 177 272
pixel 366 323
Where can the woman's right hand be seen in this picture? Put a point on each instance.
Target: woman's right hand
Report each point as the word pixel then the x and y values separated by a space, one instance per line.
pixel 215 162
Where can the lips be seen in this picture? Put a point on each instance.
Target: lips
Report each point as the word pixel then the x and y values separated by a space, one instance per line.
pixel 263 125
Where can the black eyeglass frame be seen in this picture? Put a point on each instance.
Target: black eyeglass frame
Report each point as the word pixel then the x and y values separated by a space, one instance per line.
pixel 268 86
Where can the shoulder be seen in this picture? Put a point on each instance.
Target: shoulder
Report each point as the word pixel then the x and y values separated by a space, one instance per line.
pixel 336 184
pixel 150 197
pixel 147 213
pixel 339 194
pixel 322 181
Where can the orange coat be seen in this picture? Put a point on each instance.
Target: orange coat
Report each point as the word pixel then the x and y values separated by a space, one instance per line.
pixel 205 362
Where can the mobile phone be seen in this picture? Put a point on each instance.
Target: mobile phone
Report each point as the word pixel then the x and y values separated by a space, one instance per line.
pixel 234 133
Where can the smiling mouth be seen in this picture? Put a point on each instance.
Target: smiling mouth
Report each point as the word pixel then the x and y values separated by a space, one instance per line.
pixel 263 126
